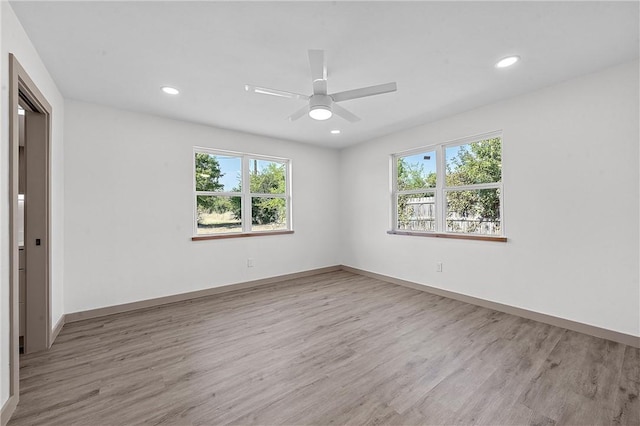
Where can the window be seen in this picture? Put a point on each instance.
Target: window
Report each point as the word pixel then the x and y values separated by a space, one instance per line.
pixel 240 194
pixel 451 188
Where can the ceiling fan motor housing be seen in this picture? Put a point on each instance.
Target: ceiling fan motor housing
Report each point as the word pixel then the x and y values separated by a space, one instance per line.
pixel 320 102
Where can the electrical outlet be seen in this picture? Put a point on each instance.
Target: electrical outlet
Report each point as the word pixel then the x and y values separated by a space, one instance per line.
pixel 250 263
pixel 439 267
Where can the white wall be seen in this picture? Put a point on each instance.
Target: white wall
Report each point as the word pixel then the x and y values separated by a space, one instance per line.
pixel 570 151
pixel 570 159
pixel 129 209
pixel 15 40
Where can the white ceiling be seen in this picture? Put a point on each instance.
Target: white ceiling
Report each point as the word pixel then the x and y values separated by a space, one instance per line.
pixel 440 53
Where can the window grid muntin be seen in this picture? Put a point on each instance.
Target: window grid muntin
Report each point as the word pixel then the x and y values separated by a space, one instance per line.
pixel 245 182
pixel 441 188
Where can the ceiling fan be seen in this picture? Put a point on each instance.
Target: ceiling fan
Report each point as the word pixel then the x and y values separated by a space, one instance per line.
pixel 321 104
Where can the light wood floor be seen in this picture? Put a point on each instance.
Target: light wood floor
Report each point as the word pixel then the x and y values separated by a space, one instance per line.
pixel 335 348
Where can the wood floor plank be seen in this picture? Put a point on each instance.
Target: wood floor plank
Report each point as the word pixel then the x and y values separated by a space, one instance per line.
pixel 330 349
pixel 627 402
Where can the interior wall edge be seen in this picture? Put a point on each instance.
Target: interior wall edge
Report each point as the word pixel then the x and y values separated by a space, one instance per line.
pixel 616 336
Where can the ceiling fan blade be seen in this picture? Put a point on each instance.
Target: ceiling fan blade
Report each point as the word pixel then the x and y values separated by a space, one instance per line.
pixel 318 65
pixel 299 113
pixel 274 92
pixel 365 91
pixel 320 87
pixel 338 110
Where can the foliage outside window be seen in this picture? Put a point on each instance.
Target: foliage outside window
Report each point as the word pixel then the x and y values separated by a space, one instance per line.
pixel 450 188
pixel 240 193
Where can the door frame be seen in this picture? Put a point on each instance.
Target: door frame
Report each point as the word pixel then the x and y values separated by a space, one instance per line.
pixel 20 82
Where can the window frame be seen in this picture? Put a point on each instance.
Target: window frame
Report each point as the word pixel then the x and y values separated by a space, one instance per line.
pixel 245 194
pixel 441 189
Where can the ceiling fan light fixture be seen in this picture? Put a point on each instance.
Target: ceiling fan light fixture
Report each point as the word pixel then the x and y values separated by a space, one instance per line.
pixel 320 107
pixel 320 113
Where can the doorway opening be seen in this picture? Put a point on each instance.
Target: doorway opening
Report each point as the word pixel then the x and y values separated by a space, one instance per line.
pixel 30 301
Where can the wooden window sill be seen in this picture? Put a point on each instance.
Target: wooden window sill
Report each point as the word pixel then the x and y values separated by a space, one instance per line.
pixel 239 235
pixel 452 236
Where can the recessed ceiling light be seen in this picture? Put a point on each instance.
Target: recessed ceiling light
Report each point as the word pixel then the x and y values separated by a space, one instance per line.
pixel 507 62
pixel 170 90
pixel 335 132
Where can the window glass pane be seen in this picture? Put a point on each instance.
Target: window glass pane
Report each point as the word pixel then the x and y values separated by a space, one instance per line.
pixel 477 162
pixel 218 214
pixel 268 214
pixel 217 173
pixel 416 212
pixel 267 177
pixel 417 171
pixel 474 212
